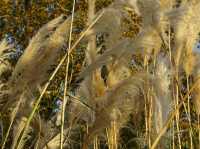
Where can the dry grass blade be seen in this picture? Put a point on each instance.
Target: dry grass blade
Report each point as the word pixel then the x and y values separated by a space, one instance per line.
pixel 66 82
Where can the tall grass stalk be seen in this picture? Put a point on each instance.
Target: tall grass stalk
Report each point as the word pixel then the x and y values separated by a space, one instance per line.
pixel 66 81
pixel 198 130
pixel 189 114
pixel 176 106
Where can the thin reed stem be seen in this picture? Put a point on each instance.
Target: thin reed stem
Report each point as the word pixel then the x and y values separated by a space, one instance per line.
pixel 66 82
pixel 177 113
pixel 189 115
pixel 198 119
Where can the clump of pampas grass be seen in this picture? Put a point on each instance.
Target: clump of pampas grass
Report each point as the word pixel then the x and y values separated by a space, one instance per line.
pixel 31 70
pixel 105 102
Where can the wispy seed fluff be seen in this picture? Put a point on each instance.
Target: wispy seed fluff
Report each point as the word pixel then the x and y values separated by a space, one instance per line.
pixel 185 22
pixel 163 99
pixel 42 52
